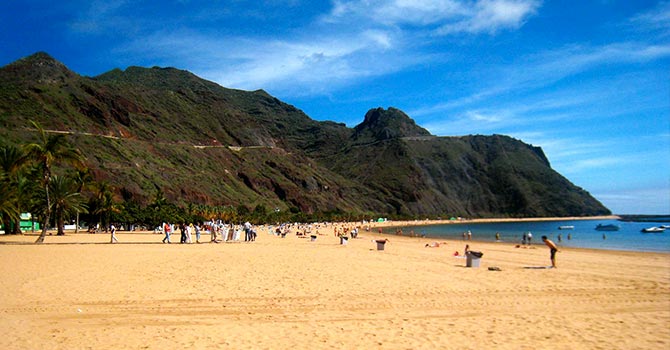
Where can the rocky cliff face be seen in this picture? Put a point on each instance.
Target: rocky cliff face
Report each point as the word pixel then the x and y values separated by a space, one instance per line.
pixel 144 128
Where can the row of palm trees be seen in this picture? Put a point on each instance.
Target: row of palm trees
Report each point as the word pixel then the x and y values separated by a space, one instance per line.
pixel 28 182
pixel 49 179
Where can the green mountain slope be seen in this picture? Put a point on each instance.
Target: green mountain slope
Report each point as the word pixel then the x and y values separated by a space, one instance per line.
pixel 148 128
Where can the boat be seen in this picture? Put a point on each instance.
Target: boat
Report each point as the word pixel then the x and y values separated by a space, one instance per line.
pixel 566 227
pixel 653 229
pixel 608 227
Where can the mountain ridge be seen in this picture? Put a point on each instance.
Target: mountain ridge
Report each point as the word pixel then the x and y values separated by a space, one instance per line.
pixel 201 142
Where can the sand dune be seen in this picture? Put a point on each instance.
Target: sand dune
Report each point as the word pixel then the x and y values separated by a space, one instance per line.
pixel 79 292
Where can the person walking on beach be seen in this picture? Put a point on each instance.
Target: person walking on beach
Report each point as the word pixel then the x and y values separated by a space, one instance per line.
pixel 182 230
pixel 197 232
pixel 552 248
pixel 247 231
pixel 189 231
pixel 213 230
pixel 529 236
pixel 113 239
pixel 167 228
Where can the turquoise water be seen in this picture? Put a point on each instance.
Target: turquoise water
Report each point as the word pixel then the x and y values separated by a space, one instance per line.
pixel 584 235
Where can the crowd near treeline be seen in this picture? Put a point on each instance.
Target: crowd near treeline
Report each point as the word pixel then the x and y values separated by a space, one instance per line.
pixel 49 179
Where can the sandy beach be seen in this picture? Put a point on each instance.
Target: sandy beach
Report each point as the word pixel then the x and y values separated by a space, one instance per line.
pixel 79 292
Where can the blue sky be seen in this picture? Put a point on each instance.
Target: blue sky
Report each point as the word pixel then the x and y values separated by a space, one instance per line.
pixel 588 81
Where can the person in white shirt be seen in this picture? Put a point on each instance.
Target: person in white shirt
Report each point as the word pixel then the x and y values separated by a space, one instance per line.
pixel 113 239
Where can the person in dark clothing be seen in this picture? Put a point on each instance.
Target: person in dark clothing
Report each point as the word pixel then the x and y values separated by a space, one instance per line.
pixel 182 230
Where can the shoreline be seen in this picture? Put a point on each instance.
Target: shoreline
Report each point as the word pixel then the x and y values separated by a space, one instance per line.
pixel 375 224
pixel 150 238
pixel 489 220
pixel 622 241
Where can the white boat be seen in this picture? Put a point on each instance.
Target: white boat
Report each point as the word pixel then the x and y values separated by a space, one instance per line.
pixel 653 229
pixel 609 227
pixel 566 227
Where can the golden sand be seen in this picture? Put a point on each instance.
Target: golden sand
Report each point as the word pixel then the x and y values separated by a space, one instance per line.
pixel 79 292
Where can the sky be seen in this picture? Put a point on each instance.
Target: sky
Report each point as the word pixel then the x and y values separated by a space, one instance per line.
pixel 586 80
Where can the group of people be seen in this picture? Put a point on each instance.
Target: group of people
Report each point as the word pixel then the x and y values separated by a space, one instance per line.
pixel 560 237
pixel 218 231
pixel 186 232
pixel 353 232
pixel 301 230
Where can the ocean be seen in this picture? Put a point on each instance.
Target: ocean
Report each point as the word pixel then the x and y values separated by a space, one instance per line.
pixel 584 234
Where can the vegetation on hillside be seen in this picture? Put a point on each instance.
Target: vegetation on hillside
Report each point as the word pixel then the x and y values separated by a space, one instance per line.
pixel 39 178
pixel 246 154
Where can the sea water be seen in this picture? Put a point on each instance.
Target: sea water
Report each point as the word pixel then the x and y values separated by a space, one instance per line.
pixel 584 235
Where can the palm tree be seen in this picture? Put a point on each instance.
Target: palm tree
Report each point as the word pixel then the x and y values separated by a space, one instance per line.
pixel 159 199
pixel 48 151
pixel 11 159
pixel 65 200
pixel 156 209
pixel 104 204
pixel 8 209
pixel 11 164
pixel 25 191
pixel 83 178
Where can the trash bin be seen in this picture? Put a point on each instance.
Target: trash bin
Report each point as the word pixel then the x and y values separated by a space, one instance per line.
pixel 380 244
pixel 312 238
pixel 472 258
pixel 344 240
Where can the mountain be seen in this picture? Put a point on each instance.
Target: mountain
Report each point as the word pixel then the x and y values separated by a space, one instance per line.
pixel 144 129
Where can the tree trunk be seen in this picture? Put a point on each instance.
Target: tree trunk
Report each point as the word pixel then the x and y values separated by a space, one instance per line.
pixel 76 228
pixel 60 223
pixel 6 225
pixel 40 239
pixel 17 228
pixel 45 223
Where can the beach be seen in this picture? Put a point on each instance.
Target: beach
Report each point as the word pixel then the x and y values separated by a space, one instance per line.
pixel 78 292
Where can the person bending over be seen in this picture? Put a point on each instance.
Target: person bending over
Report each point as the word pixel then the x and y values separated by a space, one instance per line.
pixel 552 248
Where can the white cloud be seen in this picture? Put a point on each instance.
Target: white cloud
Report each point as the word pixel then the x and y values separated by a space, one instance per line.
pixel 657 18
pixel 492 16
pixel 599 163
pixel 479 117
pixel 546 68
pixel 446 16
pixel 479 121
pixel 358 40
pixel 383 39
pixel 100 16
pixel 653 200
pixel 294 66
